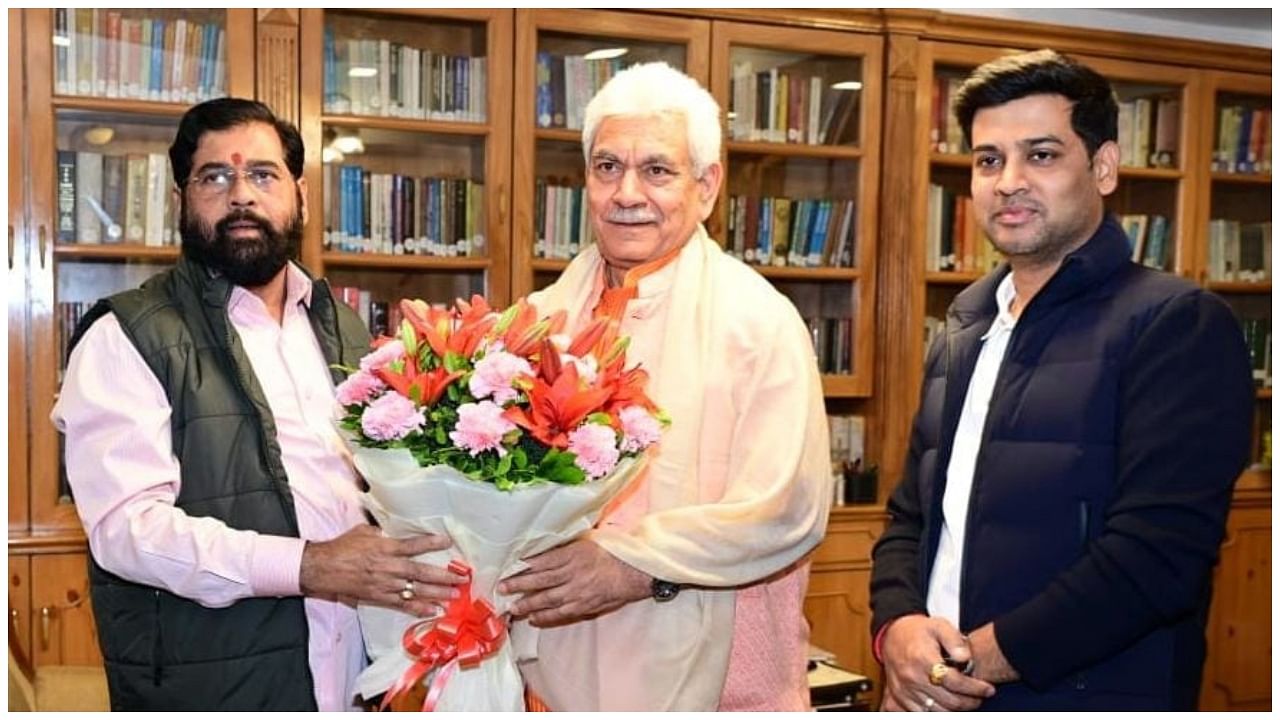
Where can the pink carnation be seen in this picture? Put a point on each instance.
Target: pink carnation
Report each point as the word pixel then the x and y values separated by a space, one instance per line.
pixel 640 429
pixel 359 388
pixel 388 353
pixel 391 417
pixel 596 447
pixel 481 427
pixel 494 374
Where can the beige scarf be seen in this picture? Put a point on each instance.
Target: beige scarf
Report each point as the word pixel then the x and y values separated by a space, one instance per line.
pixel 729 499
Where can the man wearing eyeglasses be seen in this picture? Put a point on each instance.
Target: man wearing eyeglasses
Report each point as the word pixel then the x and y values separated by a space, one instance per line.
pixel 222 513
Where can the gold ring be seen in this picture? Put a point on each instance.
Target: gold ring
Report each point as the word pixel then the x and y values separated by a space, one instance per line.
pixel 938 673
pixel 407 593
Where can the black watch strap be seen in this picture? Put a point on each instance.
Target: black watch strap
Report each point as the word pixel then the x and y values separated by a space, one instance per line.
pixel 664 591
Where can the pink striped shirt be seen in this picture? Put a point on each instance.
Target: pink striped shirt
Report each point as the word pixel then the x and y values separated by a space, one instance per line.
pixel 121 466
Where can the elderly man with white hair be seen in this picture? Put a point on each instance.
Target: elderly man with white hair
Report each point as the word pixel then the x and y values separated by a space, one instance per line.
pixel 689 594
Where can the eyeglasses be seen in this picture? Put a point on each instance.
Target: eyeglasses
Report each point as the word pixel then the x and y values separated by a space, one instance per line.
pixel 218 181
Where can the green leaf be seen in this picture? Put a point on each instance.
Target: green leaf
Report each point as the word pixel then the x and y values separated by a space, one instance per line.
pixel 504 465
pixel 571 475
pixel 519 458
pixel 415 394
pixel 599 418
pixel 453 362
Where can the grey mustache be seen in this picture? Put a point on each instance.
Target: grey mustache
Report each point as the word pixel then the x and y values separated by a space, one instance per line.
pixel 631 216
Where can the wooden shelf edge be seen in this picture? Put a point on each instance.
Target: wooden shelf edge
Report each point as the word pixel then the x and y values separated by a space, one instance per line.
pixel 817 274
pixel 947 277
pixel 119 105
pixel 842 386
pixel 50 541
pixel 403 262
pixel 549 264
pixel 1145 173
pixel 1241 178
pixel 117 251
pixel 869 511
pixel 1264 393
pixel 558 134
pixel 437 127
pixel 835 152
pixel 1240 288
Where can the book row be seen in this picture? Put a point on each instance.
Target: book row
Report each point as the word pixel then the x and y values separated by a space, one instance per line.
pixel 390 79
pixel 954 240
pixel 1244 140
pixel 564 84
pixel 787 232
pixel 115 199
pixel 138 54
pixel 368 212
pixel 791 105
pixel 560 221
pixel 1239 252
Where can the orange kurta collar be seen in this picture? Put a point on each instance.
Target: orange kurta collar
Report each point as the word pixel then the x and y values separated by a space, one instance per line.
pixel 613 301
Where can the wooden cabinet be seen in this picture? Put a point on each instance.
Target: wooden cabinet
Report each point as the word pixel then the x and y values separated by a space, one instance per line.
pixel 838 605
pixel 49 607
pixel 19 420
pixel 1237 672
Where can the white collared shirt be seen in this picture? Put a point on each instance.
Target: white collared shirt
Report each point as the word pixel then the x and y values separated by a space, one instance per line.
pixel 944 581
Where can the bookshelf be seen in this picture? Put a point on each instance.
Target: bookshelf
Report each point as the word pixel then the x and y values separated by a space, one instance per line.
pixel 103 91
pixel 561 59
pixel 801 181
pixel 409 175
pixel 1234 257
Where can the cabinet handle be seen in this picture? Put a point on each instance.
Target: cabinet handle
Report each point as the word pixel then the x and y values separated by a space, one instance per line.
pixel 44 243
pixel 46 618
pixel 11 247
pixel 14 616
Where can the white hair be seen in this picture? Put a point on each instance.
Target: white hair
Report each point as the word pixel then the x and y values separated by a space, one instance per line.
pixel 655 88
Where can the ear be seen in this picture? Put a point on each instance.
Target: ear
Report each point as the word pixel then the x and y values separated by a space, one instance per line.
pixel 1106 167
pixel 709 188
pixel 302 199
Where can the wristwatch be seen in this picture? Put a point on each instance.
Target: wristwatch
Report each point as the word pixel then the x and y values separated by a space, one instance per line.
pixel 664 591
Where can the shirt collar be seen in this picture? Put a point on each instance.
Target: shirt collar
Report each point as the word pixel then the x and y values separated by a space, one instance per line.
pixel 1005 294
pixel 297 290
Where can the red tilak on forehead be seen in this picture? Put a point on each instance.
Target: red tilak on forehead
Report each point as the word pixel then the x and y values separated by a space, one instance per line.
pixel 235 158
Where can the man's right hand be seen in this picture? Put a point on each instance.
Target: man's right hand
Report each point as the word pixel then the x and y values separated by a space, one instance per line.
pixel 366 565
pixel 912 645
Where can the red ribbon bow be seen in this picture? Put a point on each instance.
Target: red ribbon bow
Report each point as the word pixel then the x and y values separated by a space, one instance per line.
pixel 468 632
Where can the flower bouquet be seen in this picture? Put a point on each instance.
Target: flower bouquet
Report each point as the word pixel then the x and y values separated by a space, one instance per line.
pixel 509 437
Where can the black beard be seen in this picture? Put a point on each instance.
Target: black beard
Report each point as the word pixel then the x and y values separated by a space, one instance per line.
pixel 247 262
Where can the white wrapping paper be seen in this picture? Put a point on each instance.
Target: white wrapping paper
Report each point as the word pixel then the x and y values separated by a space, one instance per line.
pixel 491 531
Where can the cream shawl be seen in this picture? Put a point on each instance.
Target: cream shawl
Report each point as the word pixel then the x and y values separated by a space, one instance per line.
pixel 738 491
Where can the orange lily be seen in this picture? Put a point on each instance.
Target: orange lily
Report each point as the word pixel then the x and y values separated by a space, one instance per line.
pixel 437 326
pixel 625 388
pixel 473 311
pixel 557 408
pixel 430 385
pixel 526 331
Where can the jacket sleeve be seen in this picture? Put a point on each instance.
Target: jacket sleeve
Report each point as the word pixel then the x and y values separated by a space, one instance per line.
pixel 896 587
pixel 1182 439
